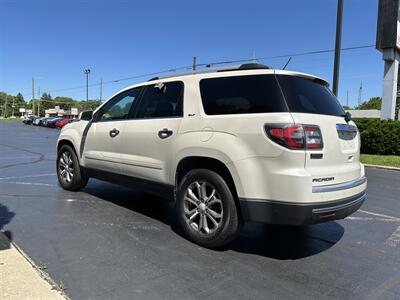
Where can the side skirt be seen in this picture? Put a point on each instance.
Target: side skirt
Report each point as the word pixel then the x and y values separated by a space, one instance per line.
pixel 161 190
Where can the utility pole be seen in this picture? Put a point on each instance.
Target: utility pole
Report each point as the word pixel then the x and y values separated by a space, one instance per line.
pixel 87 72
pixel 33 95
pixel 101 88
pixel 38 104
pixel 194 63
pixel 13 105
pixel 360 94
pixel 5 107
pixel 337 46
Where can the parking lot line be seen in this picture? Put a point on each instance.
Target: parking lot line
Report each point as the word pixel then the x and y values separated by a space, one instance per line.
pixel 378 215
pixel 33 183
pixel 371 219
pixel 394 239
pixel 28 176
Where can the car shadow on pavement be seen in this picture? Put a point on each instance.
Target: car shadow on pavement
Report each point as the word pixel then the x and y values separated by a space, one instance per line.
pixel 273 241
pixel 287 242
pixel 5 218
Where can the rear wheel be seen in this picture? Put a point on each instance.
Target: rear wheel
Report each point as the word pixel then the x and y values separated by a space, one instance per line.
pixel 206 209
pixel 69 173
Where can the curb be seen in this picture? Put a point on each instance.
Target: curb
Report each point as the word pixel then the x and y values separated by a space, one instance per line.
pixel 382 167
pixel 43 274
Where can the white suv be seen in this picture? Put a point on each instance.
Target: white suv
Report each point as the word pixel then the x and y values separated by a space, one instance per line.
pixel 230 145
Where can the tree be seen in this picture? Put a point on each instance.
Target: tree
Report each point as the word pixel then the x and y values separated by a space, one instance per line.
pixel 3 100
pixel 46 96
pixel 372 103
pixel 345 107
pixel 45 102
pixel 64 102
pixel 90 105
pixel 10 104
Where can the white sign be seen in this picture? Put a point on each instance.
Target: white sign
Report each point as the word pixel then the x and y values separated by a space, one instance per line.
pixel 22 110
pixel 74 111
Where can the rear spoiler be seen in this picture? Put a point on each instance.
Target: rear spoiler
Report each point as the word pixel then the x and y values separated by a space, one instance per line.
pixel 303 75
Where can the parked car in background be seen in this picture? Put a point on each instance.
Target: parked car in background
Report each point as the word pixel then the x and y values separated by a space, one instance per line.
pixel 52 122
pixel 63 122
pixel 28 120
pixel 44 121
pixel 36 121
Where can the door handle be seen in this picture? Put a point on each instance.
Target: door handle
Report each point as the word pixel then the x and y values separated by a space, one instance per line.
pixel 163 134
pixel 114 132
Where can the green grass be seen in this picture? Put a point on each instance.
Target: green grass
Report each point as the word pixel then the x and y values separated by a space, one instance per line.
pixel 17 119
pixel 382 160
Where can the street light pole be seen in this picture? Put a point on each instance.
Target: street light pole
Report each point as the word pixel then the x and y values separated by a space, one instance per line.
pixel 33 96
pixel 13 106
pixel 87 72
pixel 337 46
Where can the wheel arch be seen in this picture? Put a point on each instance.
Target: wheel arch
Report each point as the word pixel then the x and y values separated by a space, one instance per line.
pixel 189 163
pixel 68 142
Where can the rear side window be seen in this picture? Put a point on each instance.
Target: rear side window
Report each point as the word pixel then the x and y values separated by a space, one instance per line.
pixel 162 100
pixel 307 96
pixel 241 95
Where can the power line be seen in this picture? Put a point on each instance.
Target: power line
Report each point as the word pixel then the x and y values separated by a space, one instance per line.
pixel 287 55
pixel 208 65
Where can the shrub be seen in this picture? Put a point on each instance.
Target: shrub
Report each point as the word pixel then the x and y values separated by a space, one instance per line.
pixel 379 136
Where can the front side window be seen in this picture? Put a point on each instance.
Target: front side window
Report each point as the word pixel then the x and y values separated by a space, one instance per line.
pixel 118 108
pixel 162 100
pixel 241 95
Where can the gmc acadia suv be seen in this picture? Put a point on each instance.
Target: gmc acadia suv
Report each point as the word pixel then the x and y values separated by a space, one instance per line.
pixel 230 145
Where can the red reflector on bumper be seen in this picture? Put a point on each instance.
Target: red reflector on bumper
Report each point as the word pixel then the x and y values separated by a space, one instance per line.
pixel 326 214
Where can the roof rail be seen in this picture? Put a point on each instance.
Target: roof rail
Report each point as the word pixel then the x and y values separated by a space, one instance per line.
pixel 242 67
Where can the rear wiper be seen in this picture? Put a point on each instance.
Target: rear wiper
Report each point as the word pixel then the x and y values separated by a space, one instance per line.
pixel 347 117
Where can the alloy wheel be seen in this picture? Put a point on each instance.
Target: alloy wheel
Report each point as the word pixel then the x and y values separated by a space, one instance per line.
pixel 66 167
pixel 203 207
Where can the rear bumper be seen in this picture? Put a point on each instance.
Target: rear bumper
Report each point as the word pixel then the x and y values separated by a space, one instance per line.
pixel 278 212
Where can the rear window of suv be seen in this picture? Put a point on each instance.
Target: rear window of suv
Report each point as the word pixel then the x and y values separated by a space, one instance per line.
pixel 241 95
pixel 306 96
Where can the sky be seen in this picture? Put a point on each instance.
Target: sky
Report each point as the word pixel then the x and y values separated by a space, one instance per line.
pixel 55 40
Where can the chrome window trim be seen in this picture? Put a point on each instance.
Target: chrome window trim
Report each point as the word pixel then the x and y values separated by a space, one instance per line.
pixel 339 186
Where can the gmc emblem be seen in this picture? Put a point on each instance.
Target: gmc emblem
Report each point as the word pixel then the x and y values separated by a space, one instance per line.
pixel 323 179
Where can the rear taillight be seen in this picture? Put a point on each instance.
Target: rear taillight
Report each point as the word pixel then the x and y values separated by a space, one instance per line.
pixel 295 136
pixel 313 137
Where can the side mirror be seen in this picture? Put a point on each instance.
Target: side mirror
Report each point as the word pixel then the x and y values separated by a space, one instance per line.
pixel 86 115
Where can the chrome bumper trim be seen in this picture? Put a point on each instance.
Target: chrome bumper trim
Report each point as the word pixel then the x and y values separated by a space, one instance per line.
pixel 339 186
pixel 339 206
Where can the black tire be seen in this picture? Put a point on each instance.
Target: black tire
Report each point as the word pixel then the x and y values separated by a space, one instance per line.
pixel 78 180
pixel 229 223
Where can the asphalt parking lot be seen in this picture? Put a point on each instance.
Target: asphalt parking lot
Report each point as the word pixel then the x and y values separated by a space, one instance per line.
pixel 108 242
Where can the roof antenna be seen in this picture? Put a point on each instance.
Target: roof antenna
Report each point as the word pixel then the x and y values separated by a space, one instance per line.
pixel 290 58
pixel 254 59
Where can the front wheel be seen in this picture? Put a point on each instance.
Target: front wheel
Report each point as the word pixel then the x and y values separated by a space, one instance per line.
pixel 206 209
pixel 69 173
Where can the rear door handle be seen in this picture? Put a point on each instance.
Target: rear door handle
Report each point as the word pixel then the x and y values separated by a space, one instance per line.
pixel 164 133
pixel 114 132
